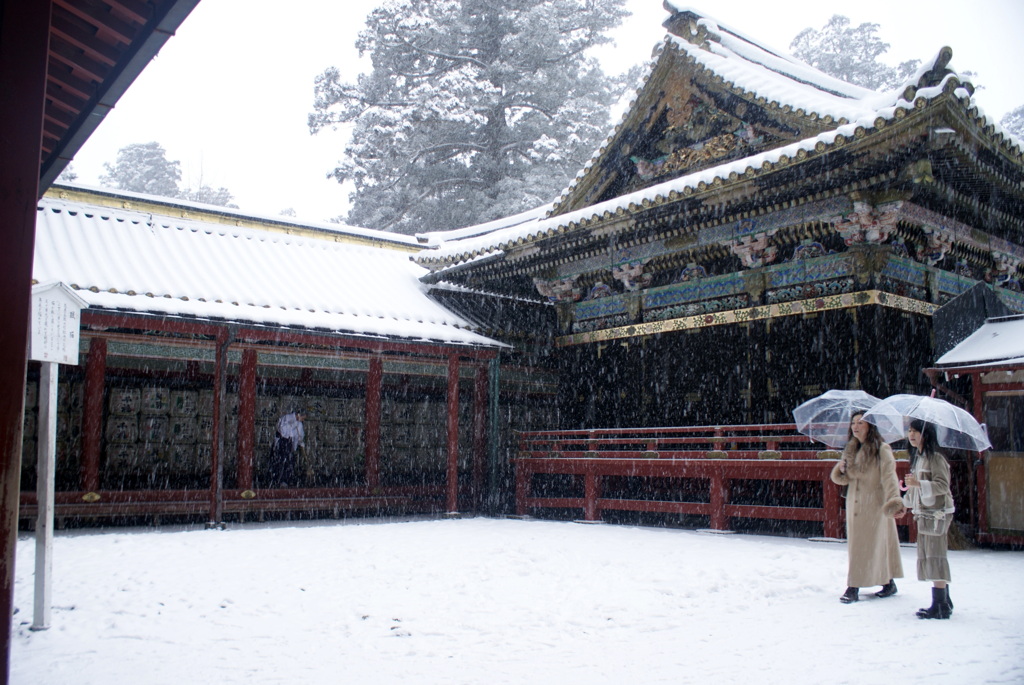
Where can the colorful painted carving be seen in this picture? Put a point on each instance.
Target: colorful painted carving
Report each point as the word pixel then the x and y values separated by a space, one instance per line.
pixel 867 224
pixel 560 290
pixel 939 243
pixel 1004 271
pixel 754 250
pixel 808 249
pixel 691 272
pixel 632 275
pixel 599 290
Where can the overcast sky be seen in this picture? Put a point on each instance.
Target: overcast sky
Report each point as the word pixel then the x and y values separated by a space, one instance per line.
pixel 228 96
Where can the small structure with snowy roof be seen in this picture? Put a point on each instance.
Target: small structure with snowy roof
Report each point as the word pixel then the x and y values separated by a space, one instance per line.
pixel 988 367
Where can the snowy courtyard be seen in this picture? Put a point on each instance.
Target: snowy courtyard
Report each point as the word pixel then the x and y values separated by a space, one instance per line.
pixel 498 601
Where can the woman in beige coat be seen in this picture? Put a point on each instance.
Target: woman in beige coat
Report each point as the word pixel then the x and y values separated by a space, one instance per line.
pixel 872 500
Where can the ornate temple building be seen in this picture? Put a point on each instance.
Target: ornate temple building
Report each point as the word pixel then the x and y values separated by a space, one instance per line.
pixel 753 233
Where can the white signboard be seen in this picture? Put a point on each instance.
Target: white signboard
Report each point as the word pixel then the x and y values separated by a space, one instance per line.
pixel 55 323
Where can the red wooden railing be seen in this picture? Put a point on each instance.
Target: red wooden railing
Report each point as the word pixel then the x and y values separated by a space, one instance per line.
pixel 718 455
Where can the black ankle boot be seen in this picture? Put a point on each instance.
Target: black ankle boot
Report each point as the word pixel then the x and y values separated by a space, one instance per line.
pixel 940 605
pixel 851 595
pixel 888 590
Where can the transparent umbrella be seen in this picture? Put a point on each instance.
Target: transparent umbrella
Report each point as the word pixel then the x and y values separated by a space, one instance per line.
pixel 954 427
pixel 826 418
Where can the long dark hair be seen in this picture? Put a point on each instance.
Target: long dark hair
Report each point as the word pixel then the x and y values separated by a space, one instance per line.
pixel 873 444
pixel 929 440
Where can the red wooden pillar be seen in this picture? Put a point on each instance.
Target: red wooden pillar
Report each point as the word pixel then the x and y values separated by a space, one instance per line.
pixel 374 380
pixel 479 433
pixel 522 476
pixel 591 492
pixel 246 420
pixel 24 44
pixel 979 475
pixel 719 521
pixel 452 479
pixel 92 414
pixel 833 509
pixel 220 386
pixel 981 480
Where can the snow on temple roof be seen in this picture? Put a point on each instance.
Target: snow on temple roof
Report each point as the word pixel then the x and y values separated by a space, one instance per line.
pixel 998 341
pixel 228 215
pixel 148 263
pixel 779 79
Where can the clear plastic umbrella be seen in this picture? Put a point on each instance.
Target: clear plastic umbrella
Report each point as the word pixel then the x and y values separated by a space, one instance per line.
pixel 954 427
pixel 826 418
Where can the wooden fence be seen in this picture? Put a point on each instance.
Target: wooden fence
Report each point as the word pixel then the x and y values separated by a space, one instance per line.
pixel 720 472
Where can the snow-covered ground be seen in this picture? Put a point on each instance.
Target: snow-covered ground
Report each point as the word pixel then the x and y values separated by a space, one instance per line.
pixel 498 601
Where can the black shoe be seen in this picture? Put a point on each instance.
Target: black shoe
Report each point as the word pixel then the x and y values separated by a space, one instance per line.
pixel 851 595
pixel 939 608
pixel 888 590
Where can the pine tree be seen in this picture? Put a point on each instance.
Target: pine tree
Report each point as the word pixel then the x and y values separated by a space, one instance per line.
pixel 851 54
pixel 143 168
pixel 69 175
pixel 204 193
pixel 473 110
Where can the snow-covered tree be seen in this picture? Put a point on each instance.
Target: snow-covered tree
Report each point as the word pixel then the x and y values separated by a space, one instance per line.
pixel 1014 122
pixel 143 168
pixel 221 196
pixel 473 109
pixel 68 175
pixel 851 54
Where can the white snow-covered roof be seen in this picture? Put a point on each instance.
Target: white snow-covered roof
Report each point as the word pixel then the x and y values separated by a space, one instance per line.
pixel 769 76
pixel 179 207
pixel 998 341
pixel 149 263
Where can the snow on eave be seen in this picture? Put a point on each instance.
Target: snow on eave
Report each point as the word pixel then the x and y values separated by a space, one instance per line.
pixel 602 149
pixel 434 238
pixel 999 340
pixel 458 254
pixel 459 288
pixel 782 63
pixel 175 207
pixel 255 315
pixel 775 82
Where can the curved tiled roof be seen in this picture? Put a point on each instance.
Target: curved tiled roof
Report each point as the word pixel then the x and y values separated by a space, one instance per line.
pixel 148 263
pixel 776 82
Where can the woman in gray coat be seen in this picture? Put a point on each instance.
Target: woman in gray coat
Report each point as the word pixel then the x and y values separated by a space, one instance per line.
pixel 868 468
pixel 929 497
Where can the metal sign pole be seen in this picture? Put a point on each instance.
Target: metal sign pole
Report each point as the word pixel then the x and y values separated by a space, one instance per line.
pixel 46 465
